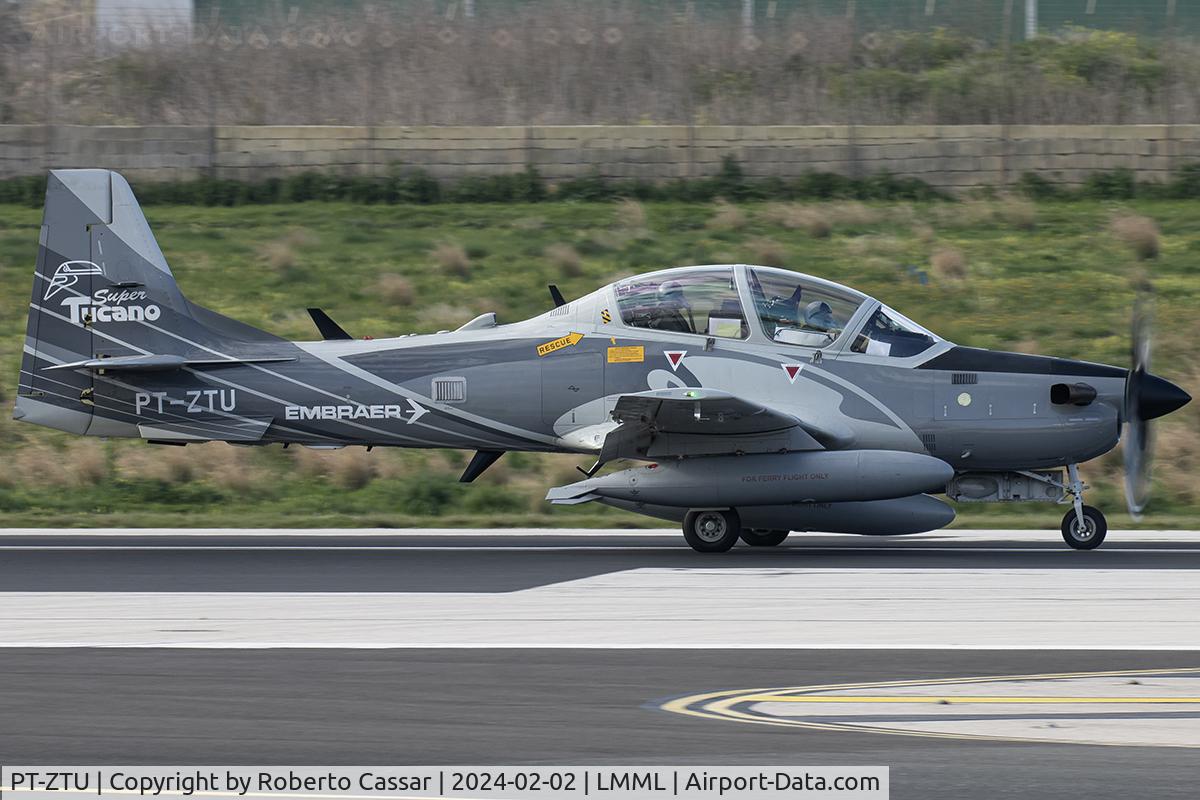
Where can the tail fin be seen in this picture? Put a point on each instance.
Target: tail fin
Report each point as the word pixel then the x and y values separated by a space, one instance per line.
pixel 102 289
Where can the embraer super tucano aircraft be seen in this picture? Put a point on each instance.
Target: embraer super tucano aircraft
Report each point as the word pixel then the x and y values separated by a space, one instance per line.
pixel 759 401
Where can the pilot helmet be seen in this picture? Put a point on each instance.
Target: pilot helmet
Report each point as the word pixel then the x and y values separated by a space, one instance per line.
pixel 670 295
pixel 818 314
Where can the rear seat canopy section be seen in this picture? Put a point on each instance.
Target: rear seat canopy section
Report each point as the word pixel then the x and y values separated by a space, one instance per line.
pixel 697 300
pixel 795 311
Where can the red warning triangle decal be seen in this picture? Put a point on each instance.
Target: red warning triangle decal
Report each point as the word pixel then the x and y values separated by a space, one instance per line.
pixel 792 371
pixel 675 358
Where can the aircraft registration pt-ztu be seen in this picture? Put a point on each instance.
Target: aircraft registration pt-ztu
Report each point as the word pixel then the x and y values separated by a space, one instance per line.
pixel 759 401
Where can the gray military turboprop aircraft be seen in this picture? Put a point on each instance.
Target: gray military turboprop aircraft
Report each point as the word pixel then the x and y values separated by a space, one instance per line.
pixel 760 401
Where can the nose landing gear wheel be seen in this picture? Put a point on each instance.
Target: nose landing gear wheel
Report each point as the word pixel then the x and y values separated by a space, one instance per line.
pixel 758 537
pixel 1089 534
pixel 711 531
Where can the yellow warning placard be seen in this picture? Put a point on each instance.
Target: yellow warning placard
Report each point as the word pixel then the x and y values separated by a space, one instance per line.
pixel 626 355
pixel 570 340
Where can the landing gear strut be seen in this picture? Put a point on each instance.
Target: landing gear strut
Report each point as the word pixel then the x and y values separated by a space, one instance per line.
pixel 712 530
pixel 1083 527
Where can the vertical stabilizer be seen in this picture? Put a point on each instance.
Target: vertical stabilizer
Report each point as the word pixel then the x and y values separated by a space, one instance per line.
pixel 102 289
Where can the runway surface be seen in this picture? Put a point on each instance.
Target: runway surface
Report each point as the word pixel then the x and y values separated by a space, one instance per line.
pixel 493 706
pixel 973 663
pixel 983 589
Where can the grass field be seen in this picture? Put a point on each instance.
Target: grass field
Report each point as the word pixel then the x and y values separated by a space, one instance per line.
pixel 1051 278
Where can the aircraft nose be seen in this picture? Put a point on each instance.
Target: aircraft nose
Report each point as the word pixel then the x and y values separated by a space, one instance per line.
pixel 1158 397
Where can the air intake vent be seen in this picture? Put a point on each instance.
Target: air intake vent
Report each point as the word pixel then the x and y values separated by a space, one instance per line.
pixel 561 311
pixel 930 441
pixel 450 390
pixel 964 378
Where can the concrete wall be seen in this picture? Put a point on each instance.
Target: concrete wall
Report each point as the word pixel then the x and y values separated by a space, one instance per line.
pixel 134 23
pixel 948 157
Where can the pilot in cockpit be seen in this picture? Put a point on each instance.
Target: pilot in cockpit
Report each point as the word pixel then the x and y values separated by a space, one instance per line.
pixel 786 320
pixel 670 310
pixel 819 316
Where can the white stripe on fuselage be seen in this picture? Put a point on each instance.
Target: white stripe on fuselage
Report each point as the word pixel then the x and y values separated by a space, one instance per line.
pixel 412 397
pixel 211 377
pixel 865 395
pixel 315 349
pixel 263 395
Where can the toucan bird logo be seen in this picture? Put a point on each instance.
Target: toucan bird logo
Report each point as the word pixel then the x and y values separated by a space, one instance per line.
pixel 68 274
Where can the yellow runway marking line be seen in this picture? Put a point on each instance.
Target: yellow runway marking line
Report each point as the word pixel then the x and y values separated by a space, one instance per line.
pixel 721 705
pixel 679 703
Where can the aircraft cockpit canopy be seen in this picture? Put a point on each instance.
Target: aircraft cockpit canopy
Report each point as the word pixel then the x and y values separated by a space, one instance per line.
pixel 890 333
pixel 701 300
pixel 786 307
pixel 795 309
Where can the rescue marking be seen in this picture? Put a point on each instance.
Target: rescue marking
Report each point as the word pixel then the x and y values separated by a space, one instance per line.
pixel 675 358
pixel 792 370
pixel 570 340
pixel 605 316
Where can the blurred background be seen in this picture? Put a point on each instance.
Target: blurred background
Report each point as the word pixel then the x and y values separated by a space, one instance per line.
pixel 543 62
pixel 1003 171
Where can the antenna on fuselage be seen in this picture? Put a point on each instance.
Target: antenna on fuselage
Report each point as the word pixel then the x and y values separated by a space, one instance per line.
pixel 325 324
pixel 556 296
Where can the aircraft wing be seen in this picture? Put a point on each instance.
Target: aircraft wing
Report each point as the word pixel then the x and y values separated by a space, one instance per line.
pixel 696 421
pixel 703 411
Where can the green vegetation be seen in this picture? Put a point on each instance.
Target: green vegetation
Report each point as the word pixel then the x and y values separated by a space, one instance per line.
pixel 1051 277
pixel 404 186
pixel 959 80
pixel 408 186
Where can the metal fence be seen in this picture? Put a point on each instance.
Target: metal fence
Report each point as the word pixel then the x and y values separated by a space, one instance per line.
pixel 525 62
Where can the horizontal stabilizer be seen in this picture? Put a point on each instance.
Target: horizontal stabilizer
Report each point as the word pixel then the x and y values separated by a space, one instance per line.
pixel 152 362
pixel 146 363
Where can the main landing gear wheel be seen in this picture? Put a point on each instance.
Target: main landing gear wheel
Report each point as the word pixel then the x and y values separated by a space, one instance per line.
pixel 1086 535
pixel 711 531
pixel 759 537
